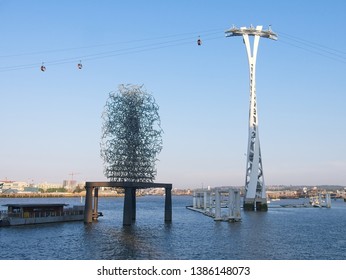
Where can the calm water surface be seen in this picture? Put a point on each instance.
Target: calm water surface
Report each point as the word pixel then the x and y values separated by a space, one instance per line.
pixel 280 233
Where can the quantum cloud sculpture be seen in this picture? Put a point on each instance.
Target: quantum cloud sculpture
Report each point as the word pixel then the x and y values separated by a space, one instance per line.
pixel 131 135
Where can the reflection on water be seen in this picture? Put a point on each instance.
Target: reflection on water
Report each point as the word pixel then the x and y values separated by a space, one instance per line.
pixel 280 233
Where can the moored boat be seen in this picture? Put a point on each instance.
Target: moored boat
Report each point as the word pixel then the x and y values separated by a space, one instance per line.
pixel 29 214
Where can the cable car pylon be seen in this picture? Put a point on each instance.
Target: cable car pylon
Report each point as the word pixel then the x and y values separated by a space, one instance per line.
pixel 255 188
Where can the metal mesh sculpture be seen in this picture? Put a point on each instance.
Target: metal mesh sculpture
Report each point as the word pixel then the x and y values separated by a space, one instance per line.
pixel 131 135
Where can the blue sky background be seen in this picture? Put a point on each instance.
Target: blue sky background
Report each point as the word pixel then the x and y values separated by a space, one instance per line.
pixel 51 121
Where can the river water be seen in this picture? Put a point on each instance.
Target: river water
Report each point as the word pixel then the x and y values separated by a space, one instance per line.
pixel 279 234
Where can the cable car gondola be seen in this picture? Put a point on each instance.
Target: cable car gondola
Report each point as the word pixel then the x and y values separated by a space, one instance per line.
pixel 199 41
pixel 79 65
pixel 43 68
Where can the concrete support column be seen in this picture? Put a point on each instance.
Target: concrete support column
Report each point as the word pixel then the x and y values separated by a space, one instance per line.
pixel 198 200
pixel 237 214
pixel 134 204
pixel 168 204
pixel 88 205
pixel 128 207
pixel 194 201
pixel 217 206
pixel 231 204
pixel 210 201
pixel 96 203
pixel 205 200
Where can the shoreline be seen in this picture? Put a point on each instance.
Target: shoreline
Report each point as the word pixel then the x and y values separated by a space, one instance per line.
pixel 82 194
pixel 54 195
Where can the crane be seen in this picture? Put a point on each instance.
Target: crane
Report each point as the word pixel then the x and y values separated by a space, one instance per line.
pixel 72 174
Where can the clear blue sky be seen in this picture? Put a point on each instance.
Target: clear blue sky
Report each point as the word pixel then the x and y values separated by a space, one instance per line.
pixel 51 121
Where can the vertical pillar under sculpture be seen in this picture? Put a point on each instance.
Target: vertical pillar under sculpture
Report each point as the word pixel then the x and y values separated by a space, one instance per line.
pixel 96 203
pixel 134 204
pixel 128 207
pixel 88 204
pixel 168 204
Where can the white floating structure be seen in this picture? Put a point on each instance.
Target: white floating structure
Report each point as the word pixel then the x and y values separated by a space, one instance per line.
pixel 222 203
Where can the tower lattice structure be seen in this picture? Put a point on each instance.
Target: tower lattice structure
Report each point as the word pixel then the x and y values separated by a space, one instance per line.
pixel 255 189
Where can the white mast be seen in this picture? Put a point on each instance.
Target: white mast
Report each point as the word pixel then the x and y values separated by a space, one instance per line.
pixel 255 190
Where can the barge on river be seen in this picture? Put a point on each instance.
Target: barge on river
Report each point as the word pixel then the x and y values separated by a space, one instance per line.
pixel 30 214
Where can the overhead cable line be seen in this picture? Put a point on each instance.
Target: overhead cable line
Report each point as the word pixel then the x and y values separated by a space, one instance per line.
pixel 156 43
pixel 312 47
pixel 117 52
pixel 190 34
pixel 312 44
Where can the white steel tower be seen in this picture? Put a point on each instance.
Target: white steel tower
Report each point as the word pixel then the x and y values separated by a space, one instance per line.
pixel 255 190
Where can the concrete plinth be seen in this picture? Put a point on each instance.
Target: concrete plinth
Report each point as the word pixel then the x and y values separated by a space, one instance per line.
pixel 261 206
pixel 249 206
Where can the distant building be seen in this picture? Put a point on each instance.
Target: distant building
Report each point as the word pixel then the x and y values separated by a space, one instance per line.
pixel 45 186
pixel 31 189
pixel 69 184
pixel 14 186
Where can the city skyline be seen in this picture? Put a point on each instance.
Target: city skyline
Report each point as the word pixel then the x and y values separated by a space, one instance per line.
pixel 51 121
